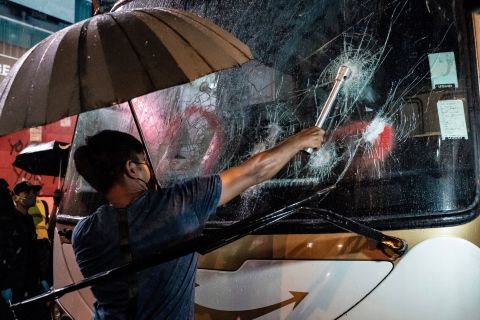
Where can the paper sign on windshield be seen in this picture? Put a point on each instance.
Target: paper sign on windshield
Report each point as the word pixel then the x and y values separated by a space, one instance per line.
pixel 443 70
pixel 451 116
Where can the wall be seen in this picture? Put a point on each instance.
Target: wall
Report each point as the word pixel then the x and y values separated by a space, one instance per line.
pixel 12 144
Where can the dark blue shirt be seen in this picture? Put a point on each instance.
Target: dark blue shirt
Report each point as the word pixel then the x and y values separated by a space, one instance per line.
pixel 156 219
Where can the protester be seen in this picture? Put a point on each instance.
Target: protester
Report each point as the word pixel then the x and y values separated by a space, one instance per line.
pixel 40 215
pixel 22 275
pixel 7 216
pixel 140 221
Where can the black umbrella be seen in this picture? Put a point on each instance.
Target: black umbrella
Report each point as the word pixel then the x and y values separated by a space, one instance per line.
pixel 46 159
pixel 112 58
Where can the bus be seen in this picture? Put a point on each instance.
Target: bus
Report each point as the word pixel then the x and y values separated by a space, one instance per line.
pixel 400 161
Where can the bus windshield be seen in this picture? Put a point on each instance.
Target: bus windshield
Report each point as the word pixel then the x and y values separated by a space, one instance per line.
pixel 401 144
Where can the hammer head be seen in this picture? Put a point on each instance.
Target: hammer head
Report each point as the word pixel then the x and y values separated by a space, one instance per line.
pixel 344 72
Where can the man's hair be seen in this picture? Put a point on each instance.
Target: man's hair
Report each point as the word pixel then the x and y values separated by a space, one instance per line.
pixel 101 161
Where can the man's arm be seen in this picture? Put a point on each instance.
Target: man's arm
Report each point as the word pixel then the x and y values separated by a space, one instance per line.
pixel 266 164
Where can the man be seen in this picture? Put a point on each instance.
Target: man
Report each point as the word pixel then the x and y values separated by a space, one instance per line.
pixel 139 221
pixel 7 216
pixel 40 214
pixel 22 274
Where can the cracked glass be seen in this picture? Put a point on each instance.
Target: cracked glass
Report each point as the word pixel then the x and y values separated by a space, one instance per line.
pixel 401 133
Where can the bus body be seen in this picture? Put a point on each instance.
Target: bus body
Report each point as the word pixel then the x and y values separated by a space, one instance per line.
pixel 402 154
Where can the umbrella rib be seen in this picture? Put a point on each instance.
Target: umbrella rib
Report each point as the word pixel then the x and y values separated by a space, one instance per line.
pixel 81 60
pixel 179 35
pixel 4 95
pixel 10 82
pixel 119 4
pixel 140 60
pixel 32 81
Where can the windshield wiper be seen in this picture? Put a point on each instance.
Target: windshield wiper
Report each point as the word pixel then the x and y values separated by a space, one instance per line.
pixel 207 243
pixel 391 246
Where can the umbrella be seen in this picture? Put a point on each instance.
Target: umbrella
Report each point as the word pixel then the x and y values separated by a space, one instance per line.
pixel 110 59
pixel 47 159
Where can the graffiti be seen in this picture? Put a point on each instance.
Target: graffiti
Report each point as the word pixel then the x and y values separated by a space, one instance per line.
pixel 201 131
pixel 16 147
pixel 19 174
pixel 22 175
pixel 185 138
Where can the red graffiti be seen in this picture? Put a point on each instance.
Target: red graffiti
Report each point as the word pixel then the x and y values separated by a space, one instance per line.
pixel 15 147
pixel 372 154
pixel 20 174
pixel 211 154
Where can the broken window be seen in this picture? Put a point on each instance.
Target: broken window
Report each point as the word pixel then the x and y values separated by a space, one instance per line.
pixel 402 136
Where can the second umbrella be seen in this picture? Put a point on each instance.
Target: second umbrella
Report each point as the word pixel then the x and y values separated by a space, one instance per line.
pixel 47 159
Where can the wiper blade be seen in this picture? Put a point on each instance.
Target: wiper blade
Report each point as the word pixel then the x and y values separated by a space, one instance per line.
pixel 206 243
pixel 202 244
pixel 255 223
pixel 391 246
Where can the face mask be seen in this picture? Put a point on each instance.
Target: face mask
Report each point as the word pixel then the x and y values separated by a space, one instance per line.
pixel 147 185
pixel 28 200
pixel 151 184
pixel 143 184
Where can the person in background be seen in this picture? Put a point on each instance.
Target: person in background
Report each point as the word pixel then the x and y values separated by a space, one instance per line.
pixel 25 277
pixel 139 221
pixel 7 221
pixel 40 214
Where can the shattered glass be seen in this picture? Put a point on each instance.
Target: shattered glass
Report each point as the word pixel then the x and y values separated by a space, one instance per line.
pixel 401 135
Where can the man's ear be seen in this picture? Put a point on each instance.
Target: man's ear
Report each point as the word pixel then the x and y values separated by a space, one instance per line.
pixel 130 169
pixel 16 198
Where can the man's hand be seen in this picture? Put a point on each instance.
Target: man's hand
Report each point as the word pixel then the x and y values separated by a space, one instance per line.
pixel 266 164
pixel 308 138
pixel 57 197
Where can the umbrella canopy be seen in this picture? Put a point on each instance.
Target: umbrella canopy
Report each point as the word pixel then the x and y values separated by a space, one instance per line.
pixel 47 159
pixel 112 58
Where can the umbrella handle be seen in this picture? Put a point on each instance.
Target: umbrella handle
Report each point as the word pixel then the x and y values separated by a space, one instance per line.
pixel 140 133
pixel 59 174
